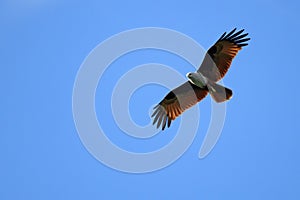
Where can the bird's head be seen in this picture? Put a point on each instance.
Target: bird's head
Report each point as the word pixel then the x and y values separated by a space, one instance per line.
pixel 188 74
pixel 191 76
pixel 197 79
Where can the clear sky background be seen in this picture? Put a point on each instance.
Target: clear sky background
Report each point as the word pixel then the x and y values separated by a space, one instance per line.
pixel 43 44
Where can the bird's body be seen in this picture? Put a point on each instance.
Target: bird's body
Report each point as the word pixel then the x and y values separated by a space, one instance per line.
pixel 213 68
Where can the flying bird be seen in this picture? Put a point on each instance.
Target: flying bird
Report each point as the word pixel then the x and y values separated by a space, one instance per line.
pixel 214 66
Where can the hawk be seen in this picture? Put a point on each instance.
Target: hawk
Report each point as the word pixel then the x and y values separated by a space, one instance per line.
pixel 214 66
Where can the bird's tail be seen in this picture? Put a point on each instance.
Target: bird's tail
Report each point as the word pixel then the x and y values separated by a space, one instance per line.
pixel 218 92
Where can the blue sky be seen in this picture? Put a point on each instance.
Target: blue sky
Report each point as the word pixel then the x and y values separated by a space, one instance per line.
pixel 43 44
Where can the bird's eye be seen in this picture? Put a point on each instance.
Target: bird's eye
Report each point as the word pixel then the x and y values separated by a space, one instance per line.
pixel 189 74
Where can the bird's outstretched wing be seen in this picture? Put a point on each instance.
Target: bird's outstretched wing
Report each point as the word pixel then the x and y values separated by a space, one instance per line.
pixel 219 57
pixel 176 102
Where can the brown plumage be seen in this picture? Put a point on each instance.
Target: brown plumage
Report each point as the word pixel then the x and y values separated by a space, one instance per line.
pixel 214 67
pixel 176 102
pixel 219 57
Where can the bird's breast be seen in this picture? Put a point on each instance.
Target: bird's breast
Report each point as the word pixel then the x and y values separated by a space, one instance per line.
pixel 200 80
